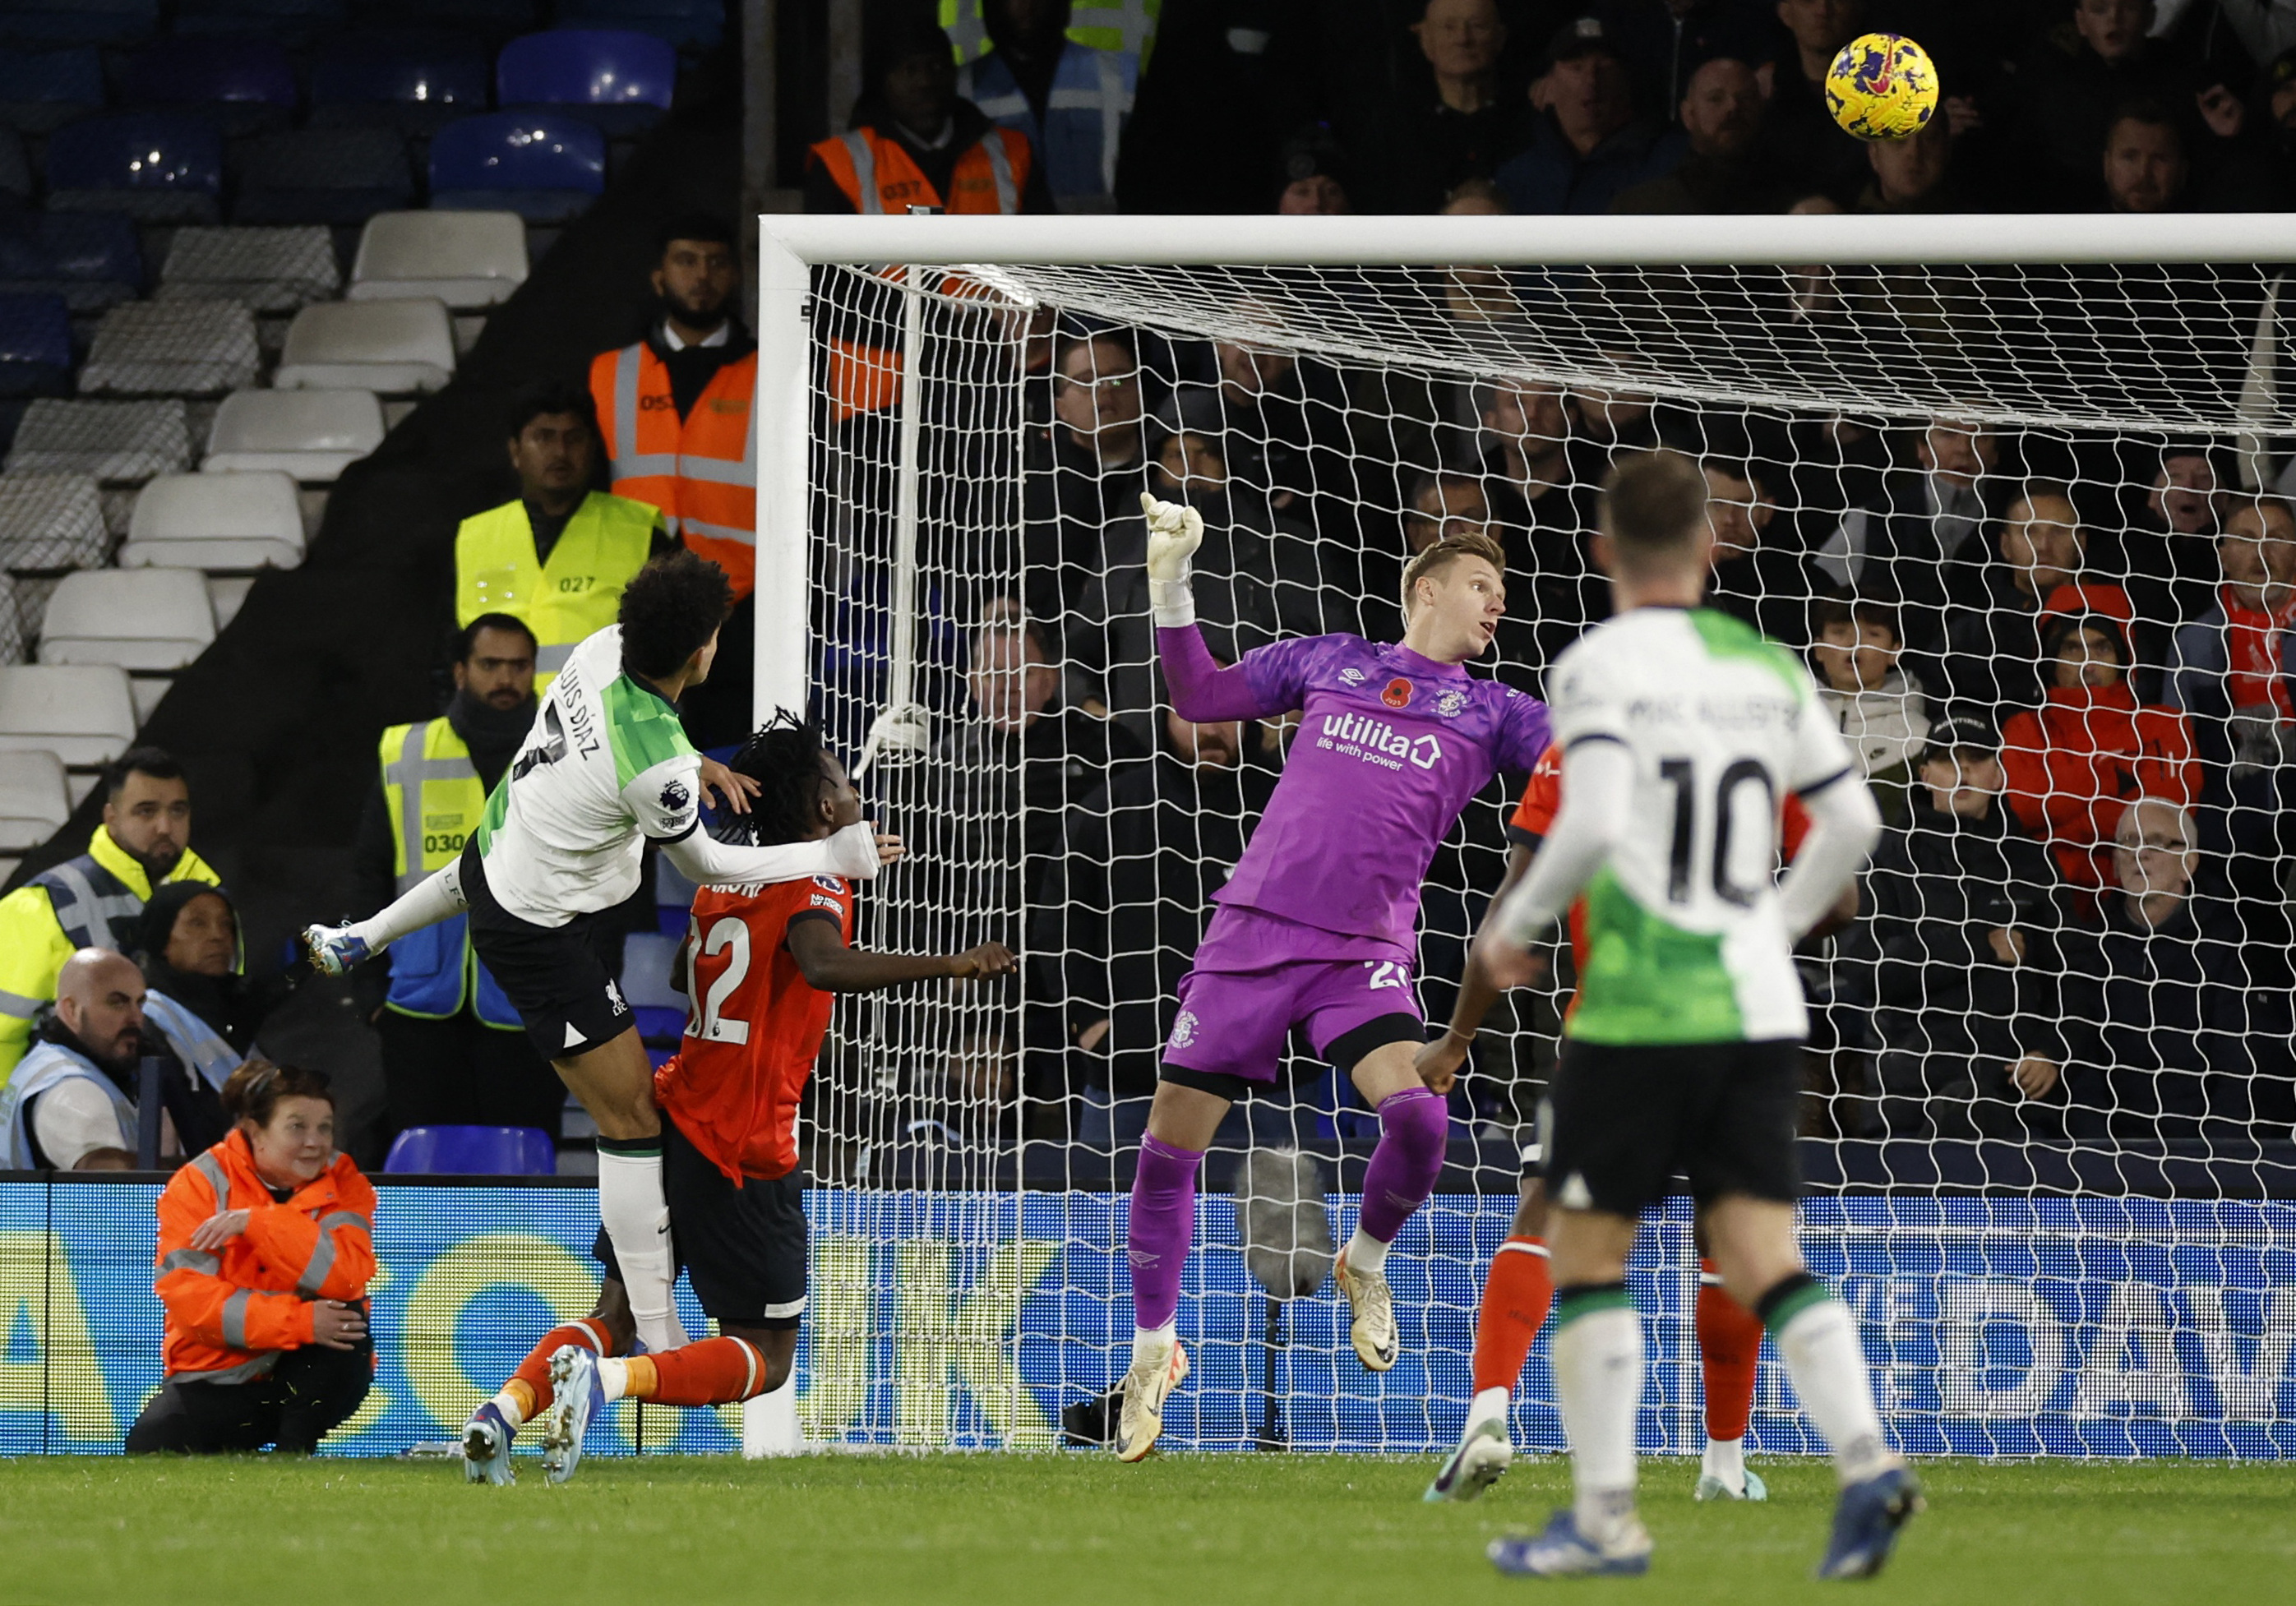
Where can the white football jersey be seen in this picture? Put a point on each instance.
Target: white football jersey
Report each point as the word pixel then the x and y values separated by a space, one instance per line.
pixel 1684 942
pixel 606 764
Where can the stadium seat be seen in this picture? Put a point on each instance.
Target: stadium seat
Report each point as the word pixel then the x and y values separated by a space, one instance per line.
pixel 154 165
pixel 471 1151
pixel 334 176
pixel 51 522
pixel 138 618
pixel 33 800
pixel 228 593
pixel 692 25
pixel 15 172
pixel 41 90
pixel 619 80
pixel 244 86
pixel 647 958
pixel 390 347
pixel 215 521
pixel 89 258
pixel 410 81
pixel 172 349
pixel 262 269
pixel 673 897
pixel 119 443
pixel 546 166
pixel 84 714
pixel 465 259
pixel 35 354
pixel 313 435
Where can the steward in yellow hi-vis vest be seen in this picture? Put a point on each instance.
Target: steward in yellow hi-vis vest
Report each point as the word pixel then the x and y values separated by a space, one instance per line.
pixel 557 558
pixel 92 901
pixel 1125 25
pixel 454 1052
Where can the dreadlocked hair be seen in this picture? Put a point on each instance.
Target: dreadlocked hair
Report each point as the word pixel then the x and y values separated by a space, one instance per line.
pixel 785 757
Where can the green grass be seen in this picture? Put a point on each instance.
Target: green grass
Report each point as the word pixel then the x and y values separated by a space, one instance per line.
pixel 1050 1530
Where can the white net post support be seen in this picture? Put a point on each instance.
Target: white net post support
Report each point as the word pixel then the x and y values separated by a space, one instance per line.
pixel 2096 1269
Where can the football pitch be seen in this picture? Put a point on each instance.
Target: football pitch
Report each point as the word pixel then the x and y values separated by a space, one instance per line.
pixel 1049 1530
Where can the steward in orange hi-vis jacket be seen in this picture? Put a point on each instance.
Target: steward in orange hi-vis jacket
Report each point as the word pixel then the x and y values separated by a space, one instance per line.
pixel 266 1248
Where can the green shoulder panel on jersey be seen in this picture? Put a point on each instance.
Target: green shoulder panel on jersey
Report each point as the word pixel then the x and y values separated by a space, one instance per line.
pixel 642 729
pixel 1647 980
pixel 497 810
pixel 1725 636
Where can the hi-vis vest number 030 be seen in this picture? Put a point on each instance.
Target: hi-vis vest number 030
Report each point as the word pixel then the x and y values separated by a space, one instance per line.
pixel 701 471
pixel 574 595
pixel 434 798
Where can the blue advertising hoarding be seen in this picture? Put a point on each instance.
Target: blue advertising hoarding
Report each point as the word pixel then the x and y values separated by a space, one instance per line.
pixel 1994 1326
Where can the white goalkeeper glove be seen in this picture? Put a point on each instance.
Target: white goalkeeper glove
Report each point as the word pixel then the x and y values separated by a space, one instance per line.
pixel 1174 531
pixel 901 734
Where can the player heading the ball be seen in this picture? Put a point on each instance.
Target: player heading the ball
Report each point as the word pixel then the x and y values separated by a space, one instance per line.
pixel 1317 928
pixel 1683 731
pixel 605 769
pixel 759 966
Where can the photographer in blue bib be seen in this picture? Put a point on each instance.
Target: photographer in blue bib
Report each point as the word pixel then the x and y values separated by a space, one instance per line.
pixel 454 1052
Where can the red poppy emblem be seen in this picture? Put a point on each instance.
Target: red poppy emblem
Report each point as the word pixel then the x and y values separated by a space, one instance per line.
pixel 1398 694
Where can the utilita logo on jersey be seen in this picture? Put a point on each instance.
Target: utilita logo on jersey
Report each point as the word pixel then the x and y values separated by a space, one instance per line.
pixel 1376 741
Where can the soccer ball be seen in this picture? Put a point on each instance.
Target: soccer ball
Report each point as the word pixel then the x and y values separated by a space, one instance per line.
pixel 1881 86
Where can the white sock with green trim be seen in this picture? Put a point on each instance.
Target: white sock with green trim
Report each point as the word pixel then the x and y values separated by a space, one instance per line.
pixel 1817 1336
pixel 1597 1353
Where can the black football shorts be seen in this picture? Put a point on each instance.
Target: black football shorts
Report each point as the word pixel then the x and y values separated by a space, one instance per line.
pixel 1621 1122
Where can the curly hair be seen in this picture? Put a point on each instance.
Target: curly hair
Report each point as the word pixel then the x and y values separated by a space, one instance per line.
pixel 669 611
pixel 784 757
pixel 252 1093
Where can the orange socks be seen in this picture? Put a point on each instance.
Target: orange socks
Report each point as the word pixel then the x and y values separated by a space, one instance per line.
pixel 1729 1348
pixel 709 1371
pixel 1516 1295
pixel 527 1393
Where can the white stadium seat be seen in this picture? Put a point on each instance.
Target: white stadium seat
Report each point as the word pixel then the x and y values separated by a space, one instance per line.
pixel 263 269
pixel 249 521
pixel 314 435
pixel 120 443
pixel 33 798
pixel 392 346
pixel 83 713
pixel 138 618
pixel 50 521
pixel 463 258
pixel 228 593
pixel 172 349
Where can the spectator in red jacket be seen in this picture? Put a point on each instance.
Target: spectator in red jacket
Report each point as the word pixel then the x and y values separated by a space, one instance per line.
pixel 266 1245
pixel 2076 762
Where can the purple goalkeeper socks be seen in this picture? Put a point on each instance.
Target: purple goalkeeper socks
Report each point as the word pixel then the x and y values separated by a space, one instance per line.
pixel 1413 1127
pixel 1163 1224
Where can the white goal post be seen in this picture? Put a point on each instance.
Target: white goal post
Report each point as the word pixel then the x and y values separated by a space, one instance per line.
pixel 2059 1236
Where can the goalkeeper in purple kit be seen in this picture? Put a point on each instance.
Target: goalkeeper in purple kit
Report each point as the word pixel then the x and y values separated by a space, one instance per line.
pixel 1318 927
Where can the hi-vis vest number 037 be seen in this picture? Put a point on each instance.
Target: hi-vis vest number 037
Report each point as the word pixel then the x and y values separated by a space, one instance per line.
pixel 703 470
pixel 434 798
pixel 574 595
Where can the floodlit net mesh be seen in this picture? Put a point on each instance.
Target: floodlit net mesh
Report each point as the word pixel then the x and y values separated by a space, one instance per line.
pixel 2024 524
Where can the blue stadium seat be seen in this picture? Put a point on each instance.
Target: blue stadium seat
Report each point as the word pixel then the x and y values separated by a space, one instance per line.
pixel 36 354
pixel 546 166
pixel 81 21
pixel 407 79
pixel 334 176
pixel 471 1151
pixel 41 90
pixel 619 80
pixel 89 258
pixel 242 86
pixel 159 166
pixel 692 25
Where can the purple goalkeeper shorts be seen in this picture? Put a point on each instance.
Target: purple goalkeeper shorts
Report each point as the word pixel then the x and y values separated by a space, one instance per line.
pixel 1257 976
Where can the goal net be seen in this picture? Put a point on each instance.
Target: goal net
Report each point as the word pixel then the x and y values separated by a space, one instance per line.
pixel 2024 515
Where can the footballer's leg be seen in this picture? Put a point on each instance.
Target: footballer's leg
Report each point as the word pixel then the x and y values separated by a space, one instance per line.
pixel 1182 1120
pixel 1414 1131
pixel 1517 1291
pixel 487 1436
pixel 614 1082
pixel 1729 1353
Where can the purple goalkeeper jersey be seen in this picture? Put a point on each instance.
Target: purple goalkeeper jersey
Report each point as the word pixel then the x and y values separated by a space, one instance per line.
pixel 1391 748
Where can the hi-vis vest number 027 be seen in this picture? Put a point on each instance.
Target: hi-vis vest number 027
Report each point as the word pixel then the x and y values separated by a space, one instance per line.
pixel 701 471
pixel 434 799
pixel 575 594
